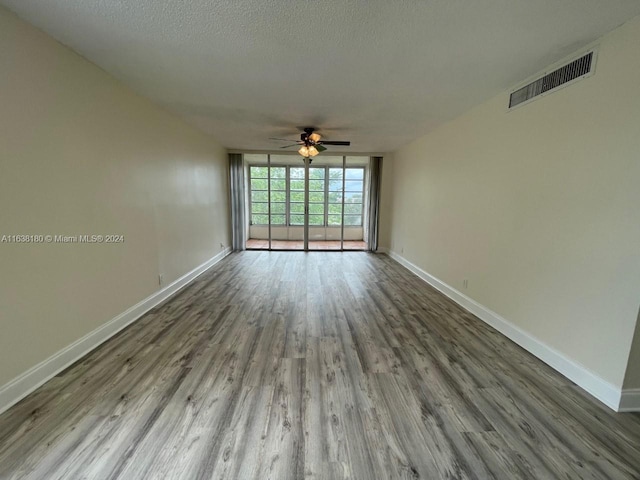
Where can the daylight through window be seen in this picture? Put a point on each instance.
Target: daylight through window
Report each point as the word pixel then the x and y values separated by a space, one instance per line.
pixel 328 190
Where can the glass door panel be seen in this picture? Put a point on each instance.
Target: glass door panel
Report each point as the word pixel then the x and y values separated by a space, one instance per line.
pixel 318 209
pixel 334 206
pixel 278 204
pixel 258 202
pixel 354 213
pixel 287 207
pixel 295 211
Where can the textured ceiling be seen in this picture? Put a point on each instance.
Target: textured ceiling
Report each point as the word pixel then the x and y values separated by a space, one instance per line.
pixel 377 72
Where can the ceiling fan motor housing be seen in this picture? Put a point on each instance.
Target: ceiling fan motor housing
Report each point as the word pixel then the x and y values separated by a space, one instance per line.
pixel 306 136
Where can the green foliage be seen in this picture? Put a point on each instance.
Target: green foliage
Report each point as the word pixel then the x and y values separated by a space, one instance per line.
pixel 334 220
pixel 315 197
pixel 259 219
pixel 353 195
pixel 277 207
pixel 296 172
pixel 316 220
pixel 316 185
pixel 316 173
pixel 259 172
pixel 297 208
pixel 316 208
pixel 353 220
pixel 277 219
pixel 259 184
pixel 353 208
pixel 278 172
pixel 259 196
pixel 335 197
pixel 258 207
pixel 296 219
pixel 278 185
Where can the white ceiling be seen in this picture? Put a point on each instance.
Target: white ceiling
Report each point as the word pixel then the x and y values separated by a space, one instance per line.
pixel 377 72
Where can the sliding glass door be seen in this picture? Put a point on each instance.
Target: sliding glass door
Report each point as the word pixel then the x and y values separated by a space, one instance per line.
pixel 339 214
pixel 296 205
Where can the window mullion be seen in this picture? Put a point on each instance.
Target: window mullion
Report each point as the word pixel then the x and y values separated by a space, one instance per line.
pixel 269 198
pixel 250 199
pixel 326 198
pixel 343 197
pixel 287 197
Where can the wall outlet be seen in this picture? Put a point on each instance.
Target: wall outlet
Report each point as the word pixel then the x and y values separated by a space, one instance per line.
pixel 465 284
pixel 160 279
pixel 221 245
pixel 402 250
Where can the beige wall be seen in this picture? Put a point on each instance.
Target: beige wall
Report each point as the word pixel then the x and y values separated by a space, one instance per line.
pixel 82 154
pixel 538 209
pixel 632 375
pixel 386 197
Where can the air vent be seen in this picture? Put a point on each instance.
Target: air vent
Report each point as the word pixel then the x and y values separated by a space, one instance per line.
pixel 572 71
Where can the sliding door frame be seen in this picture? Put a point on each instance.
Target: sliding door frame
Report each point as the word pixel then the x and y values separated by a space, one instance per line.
pixel 307 214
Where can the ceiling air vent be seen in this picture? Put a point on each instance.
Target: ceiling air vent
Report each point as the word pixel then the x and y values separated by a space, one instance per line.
pixel 571 71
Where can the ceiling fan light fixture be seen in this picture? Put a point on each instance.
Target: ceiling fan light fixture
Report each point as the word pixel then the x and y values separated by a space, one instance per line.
pixel 310 143
pixel 309 151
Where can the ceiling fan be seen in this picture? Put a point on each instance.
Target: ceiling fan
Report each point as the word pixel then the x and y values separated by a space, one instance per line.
pixel 311 143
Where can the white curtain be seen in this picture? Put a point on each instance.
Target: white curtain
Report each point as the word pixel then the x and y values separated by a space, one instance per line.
pixel 238 221
pixel 375 171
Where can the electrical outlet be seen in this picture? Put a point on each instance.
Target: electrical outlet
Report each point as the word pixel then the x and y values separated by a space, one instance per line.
pixel 465 284
pixel 402 250
pixel 221 245
pixel 160 279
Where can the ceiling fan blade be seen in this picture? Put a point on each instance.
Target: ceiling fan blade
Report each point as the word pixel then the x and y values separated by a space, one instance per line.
pixel 287 146
pixel 320 148
pixel 282 139
pixel 329 142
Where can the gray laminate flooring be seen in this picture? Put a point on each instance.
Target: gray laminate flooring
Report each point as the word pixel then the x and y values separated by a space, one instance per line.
pixel 287 365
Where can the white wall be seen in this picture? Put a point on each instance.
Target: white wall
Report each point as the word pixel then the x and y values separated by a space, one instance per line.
pixel 82 154
pixel 538 209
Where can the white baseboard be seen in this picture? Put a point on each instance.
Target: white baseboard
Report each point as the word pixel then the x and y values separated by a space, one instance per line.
pixel 630 401
pixel 18 388
pixel 604 391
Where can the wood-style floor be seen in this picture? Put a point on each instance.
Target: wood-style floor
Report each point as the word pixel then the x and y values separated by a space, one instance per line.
pixel 288 365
